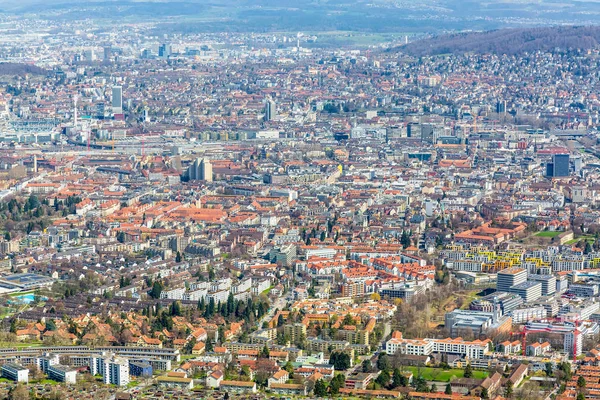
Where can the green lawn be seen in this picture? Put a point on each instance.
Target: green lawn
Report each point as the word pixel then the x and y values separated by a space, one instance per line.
pixel 20 345
pixel 587 239
pixel 45 382
pixel 16 294
pixel 266 291
pixel 29 344
pixel 548 234
pixel 440 375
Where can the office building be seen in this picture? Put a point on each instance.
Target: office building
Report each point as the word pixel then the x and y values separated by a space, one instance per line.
pixel 90 55
pixel 200 170
pixel 501 107
pixel 117 99
pixel 107 54
pixel 15 372
pixel 283 255
pixel 270 110
pixel 460 321
pixel 548 283
pixel 584 289
pixel 206 172
pixel 401 290
pixel 522 315
pixel 529 290
pixel 510 277
pixel 164 50
pixel 559 167
pixel 507 302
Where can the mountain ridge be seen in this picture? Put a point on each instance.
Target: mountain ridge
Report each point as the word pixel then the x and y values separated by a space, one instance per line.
pixel 507 41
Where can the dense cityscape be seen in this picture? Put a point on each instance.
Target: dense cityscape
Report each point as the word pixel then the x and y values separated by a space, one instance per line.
pixel 258 215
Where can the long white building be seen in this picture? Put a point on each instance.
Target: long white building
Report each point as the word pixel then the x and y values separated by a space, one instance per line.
pixel 423 347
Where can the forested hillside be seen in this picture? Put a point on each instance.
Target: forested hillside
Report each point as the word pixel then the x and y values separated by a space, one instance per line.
pixel 508 41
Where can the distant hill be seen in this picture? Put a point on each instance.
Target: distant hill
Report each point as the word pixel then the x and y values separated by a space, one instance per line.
pixel 315 16
pixel 20 69
pixel 507 41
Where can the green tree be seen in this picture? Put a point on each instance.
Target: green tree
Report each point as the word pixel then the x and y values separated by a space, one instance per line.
pixel 405 239
pixel 320 389
pixel 340 360
pixel 366 366
pixel 290 369
pixel 51 325
pixel 230 304
pixel 448 389
pixel 157 288
pixel 399 379
pixel 468 372
pixel 421 384
pixel 336 383
pixel 581 382
pixel 549 369
pixel 383 362
pixel 348 320
pixel 210 309
pixel 565 367
pixel 264 353
pixel 508 389
pixel 189 346
pixel 383 378
pixel 484 394
pixel 580 396
pixel 178 257
pixel 175 309
pixel 13 326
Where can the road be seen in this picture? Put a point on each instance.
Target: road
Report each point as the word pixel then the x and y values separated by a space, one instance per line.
pixel 278 304
pixel 387 330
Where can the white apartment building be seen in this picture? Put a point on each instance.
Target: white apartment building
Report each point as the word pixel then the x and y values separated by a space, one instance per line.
pixel 195 295
pixel 473 350
pixel 116 372
pixel 173 294
pixel 525 314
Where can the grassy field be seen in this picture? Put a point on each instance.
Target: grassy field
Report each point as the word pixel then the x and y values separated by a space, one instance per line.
pixel 45 382
pixel 548 234
pixel 17 294
pixel 20 345
pixel 266 291
pixel 588 238
pixel 440 375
